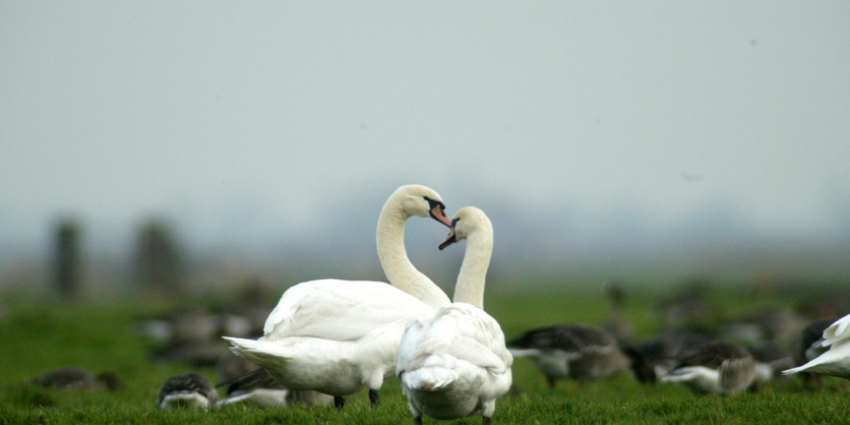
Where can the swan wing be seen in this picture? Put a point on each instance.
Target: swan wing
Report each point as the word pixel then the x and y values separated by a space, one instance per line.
pixel 837 331
pixel 466 333
pixel 339 310
pixel 414 333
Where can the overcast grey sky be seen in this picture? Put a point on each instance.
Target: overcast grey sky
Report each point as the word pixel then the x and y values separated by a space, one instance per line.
pixel 251 116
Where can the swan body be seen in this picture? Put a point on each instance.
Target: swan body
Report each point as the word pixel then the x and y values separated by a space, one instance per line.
pixel 835 361
pixel 338 337
pixel 454 363
pixel 332 336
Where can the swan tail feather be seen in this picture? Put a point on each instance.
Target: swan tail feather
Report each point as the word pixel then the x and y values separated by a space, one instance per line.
pixel 256 350
pixel 811 366
pixel 796 369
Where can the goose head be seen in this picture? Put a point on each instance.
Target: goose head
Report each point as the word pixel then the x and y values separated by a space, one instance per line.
pixel 422 201
pixel 466 222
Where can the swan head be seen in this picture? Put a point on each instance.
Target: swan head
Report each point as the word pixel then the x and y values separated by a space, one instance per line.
pixel 422 201
pixel 466 222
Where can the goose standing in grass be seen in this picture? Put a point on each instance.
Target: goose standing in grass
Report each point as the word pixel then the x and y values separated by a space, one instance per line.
pixel 338 336
pixel 187 390
pixel 719 367
pixel 768 323
pixel 616 323
pixel 186 335
pixel 454 363
pixel 78 377
pixel 835 361
pixel 571 350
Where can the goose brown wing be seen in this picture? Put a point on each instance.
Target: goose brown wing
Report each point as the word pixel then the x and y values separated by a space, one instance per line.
pixel 251 380
pixel 570 337
pixel 713 354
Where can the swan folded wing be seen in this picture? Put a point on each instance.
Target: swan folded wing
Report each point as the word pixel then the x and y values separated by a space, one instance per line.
pixel 414 332
pixel 837 332
pixel 340 310
pixel 479 355
pixel 469 334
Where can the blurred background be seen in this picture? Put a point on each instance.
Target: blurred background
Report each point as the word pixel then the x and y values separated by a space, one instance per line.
pixel 204 146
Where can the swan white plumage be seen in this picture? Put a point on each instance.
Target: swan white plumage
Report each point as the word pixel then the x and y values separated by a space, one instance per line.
pixel 337 336
pixel 836 360
pixel 454 363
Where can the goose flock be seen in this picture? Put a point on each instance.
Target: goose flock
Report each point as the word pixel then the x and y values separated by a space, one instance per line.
pixel 328 339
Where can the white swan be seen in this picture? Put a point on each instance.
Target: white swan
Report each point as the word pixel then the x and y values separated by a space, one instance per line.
pixel 454 364
pixel 338 336
pixel 836 360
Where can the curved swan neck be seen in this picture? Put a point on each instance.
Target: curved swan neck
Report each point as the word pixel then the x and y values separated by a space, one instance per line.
pixel 473 272
pixel 391 252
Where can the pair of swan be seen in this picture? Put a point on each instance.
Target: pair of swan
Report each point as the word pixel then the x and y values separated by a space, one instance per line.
pixel 339 337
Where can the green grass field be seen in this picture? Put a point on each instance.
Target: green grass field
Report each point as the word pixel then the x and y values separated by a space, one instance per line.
pixel 36 336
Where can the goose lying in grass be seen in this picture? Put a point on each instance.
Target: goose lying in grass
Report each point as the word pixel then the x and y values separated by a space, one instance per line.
pixel 571 350
pixel 78 377
pixel 337 336
pixel 719 367
pixel 454 363
pixel 835 361
pixel 191 390
pixel 653 358
pixel 258 388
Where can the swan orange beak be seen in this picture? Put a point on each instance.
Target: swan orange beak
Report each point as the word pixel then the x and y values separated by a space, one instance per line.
pixel 438 212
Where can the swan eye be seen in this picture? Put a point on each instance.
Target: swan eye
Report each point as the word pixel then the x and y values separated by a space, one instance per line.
pixel 454 222
pixel 432 203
